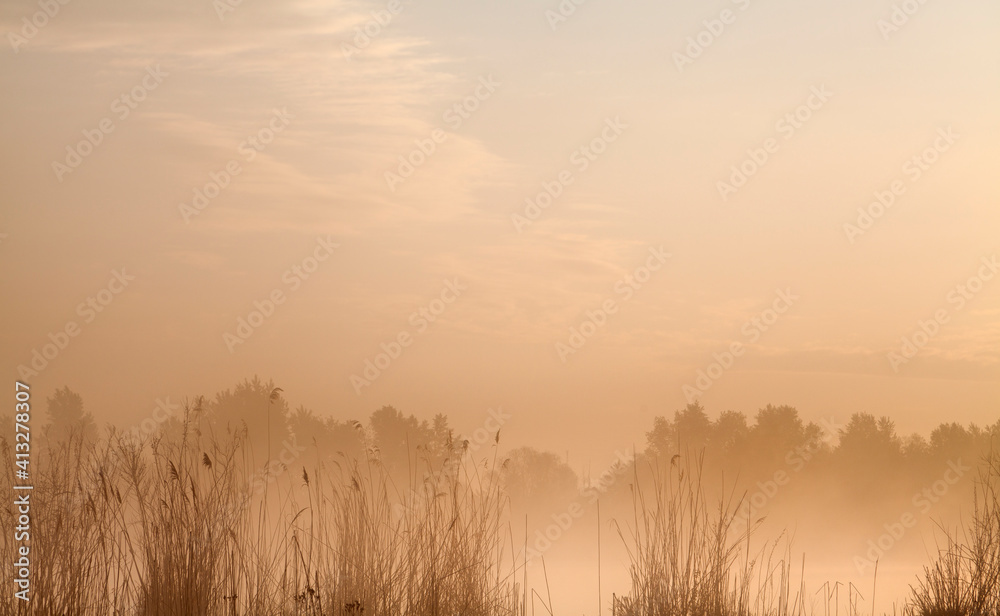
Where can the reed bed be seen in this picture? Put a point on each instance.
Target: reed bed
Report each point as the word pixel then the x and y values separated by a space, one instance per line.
pixel 692 558
pixel 185 527
pixel 965 579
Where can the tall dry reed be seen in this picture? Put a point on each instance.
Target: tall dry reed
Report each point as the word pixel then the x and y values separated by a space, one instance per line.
pixel 180 527
pixel 965 579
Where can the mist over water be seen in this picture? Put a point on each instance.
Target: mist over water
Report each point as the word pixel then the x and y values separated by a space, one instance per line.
pixel 435 308
pixel 762 512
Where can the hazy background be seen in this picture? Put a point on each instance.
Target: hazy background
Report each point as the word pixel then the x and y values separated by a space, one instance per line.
pixel 496 345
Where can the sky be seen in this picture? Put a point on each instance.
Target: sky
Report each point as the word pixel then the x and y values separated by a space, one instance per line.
pixel 585 214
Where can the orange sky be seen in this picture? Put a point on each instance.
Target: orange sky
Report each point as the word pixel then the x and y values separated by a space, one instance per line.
pixel 497 188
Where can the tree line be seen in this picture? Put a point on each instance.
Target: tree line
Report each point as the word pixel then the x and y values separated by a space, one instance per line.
pixel 861 460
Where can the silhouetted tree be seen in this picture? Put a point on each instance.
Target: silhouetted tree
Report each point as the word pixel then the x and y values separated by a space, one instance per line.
pixel 661 440
pixel 66 418
pixel 441 439
pixel 915 447
pixel 950 440
pixel 777 436
pixel 778 429
pixel 538 478
pixel 262 408
pixel 729 434
pixel 407 445
pixel 690 430
pixel 326 437
pixel 693 427
pixel 867 438
pixel 869 463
